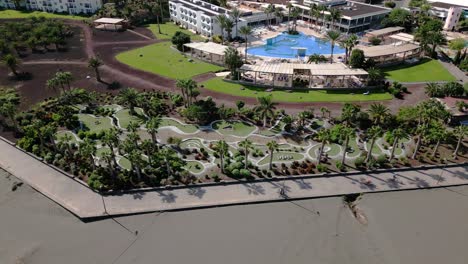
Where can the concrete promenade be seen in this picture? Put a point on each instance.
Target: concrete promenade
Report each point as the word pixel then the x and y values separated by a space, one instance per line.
pixel 85 203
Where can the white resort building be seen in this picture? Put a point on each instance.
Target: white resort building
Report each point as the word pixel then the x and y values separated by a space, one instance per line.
pixel 57 6
pixel 200 16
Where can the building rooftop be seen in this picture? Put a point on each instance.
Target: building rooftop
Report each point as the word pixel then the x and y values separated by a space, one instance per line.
pixel 386 50
pixel 385 31
pixel 208 47
pixel 324 69
pixel 106 20
pixel 447 5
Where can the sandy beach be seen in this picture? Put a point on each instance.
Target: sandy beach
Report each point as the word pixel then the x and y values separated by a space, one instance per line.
pixel 425 226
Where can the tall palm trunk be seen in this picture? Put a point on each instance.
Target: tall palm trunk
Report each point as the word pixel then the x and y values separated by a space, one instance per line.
pixel 98 74
pixel 221 160
pixel 321 152
pixel 418 145
pixel 455 153
pixel 434 152
pixel 369 153
pixel 395 142
pixel 271 159
pixel 344 151
pixel 246 158
pixel 331 55
pixel 246 46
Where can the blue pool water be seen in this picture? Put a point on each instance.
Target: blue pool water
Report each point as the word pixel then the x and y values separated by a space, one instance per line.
pixel 282 46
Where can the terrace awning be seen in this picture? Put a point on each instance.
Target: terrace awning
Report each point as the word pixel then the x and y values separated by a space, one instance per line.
pixel 325 69
pixel 106 20
pixel 385 31
pixel 208 47
pixel 386 50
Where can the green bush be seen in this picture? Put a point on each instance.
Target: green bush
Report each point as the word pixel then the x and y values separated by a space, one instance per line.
pixel 179 39
pixel 244 173
pixel 359 162
pixel 321 168
pixel 357 58
pixel 375 41
pixel 381 159
pixel 340 166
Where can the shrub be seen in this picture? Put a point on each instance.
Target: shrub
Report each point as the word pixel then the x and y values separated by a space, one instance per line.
pixel 381 159
pixel 375 41
pixel 179 39
pixel 390 4
pixel 340 166
pixel 357 58
pixel 244 173
pixel 321 168
pixel 114 85
pixel 359 162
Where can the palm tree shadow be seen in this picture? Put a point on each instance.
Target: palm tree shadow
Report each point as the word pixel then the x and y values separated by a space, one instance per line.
pixel 254 189
pixel 167 198
pixel 303 184
pixel 197 191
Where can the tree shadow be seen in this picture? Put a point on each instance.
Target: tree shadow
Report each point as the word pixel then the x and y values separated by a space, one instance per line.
pixel 197 191
pixel 254 189
pixel 138 195
pixel 167 197
pixel 303 184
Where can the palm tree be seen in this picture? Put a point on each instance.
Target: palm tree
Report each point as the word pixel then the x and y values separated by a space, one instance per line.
pixel 375 76
pixel 421 131
pixel 268 11
pixel 94 63
pixel 8 110
pixel 128 97
pixel 87 150
pixel 312 11
pixel 272 146
pixel 53 84
pixel 373 133
pixel 229 24
pixel 323 136
pixel 65 78
pixel 348 44
pixel 322 9
pixel 316 58
pixel 11 62
pixel 187 87
pixel 378 113
pixel 346 133
pixel 279 14
pixel 433 89
pixel 108 157
pixel 111 140
pixel 333 36
pixel 397 134
pixel 222 148
pixel 152 125
pixel 266 108
pixel 136 162
pixel 460 132
pixel 221 19
pixel 48 133
pixel 437 133
pixel 246 145
pixel 335 14
pixel 324 110
pixel 295 14
pixel 235 14
pixel 168 155
pixel 289 6
pixel 246 31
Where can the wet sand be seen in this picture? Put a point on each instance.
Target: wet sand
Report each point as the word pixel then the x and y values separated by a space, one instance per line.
pixel 425 226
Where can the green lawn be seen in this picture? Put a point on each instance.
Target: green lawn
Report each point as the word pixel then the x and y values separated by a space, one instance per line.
pixel 10 14
pixel 194 166
pixel 95 124
pixel 168 30
pixel 160 59
pixel 186 128
pixel 218 85
pixel 238 129
pixel 426 71
pixel 125 117
pixel 277 157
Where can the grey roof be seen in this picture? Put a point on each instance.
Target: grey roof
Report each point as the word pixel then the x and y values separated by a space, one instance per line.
pixel 446 5
pixel 358 9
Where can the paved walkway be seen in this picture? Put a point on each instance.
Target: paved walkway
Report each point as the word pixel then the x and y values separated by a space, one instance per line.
pixel 454 70
pixel 85 203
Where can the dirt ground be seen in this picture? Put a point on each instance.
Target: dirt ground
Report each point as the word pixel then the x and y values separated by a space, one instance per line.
pixel 87 42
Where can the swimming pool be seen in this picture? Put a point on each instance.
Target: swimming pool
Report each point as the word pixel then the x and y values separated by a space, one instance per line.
pixel 285 46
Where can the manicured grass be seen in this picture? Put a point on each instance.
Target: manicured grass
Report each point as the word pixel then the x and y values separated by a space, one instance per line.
pixel 277 155
pixel 124 163
pixel 182 127
pixel 61 134
pixel 239 129
pixel 425 71
pixel 125 117
pixel 218 85
pixel 95 124
pixel 101 151
pixel 168 30
pixel 11 14
pixel 161 59
pixel 194 166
